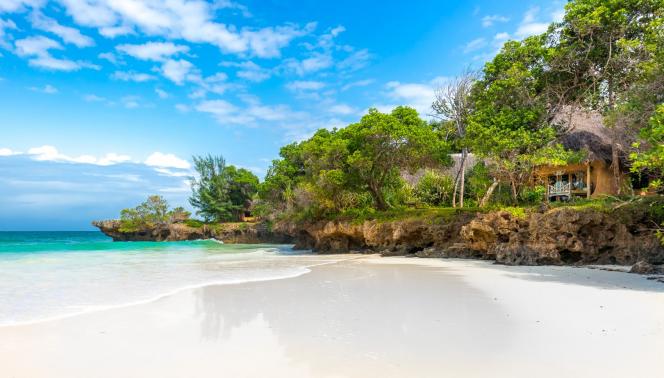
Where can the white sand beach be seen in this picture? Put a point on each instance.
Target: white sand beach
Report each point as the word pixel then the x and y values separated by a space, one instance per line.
pixel 370 316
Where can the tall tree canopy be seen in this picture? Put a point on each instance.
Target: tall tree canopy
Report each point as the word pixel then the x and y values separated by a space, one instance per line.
pixel 359 165
pixel 221 192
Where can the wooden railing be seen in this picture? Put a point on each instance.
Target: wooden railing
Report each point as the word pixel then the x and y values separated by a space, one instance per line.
pixel 560 189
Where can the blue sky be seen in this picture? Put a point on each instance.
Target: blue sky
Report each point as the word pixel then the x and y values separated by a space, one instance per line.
pixel 103 102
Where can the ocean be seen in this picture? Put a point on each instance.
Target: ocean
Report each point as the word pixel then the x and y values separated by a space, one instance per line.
pixel 46 275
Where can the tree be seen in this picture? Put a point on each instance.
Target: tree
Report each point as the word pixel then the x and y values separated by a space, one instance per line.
pixel 453 102
pixel 606 40
pixel 220 192
pixel 152 213
pixel 354 167
pixel 381 145
pixel 510 121
pixel 242 186
pixel 652 157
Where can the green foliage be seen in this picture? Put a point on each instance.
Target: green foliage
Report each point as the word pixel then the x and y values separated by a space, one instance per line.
pixel 194 223
pixel 652 158
pixel 478 182
pixel 517 212
pixel 356 167
pixel 220 192
pixel 153 212
pixel 605 55
pixel 434 189
pixel 533 195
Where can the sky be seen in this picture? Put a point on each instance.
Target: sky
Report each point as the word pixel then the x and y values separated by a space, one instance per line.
pixel 104 102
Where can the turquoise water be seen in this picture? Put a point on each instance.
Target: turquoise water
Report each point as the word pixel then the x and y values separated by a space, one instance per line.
pixel 51 274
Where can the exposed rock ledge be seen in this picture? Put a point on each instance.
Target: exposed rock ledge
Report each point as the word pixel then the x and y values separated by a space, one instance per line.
pixel 231 233
pixel 563 236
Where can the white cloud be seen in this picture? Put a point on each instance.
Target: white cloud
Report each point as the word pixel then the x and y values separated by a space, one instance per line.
pixel 68 34
pixel 161 160
pixel 18 5
pixel 154 51
pixel 316 62
pixel 93 98
pixel 182 108
pixel 227 4
pixel 249 71
pixel 8 152
pixel 109 56
pixel 47 89
pixel 130 102
pixel 530 24
pixel 416 95
pixel 474 45
pixel 5 25
pixel 305 85
pixel 268 42
pixel 229 114
pixel 161 93
pixel 112 158
pixel 50 153
pixel 326 41
pixel 359 83
pixel 489 20
pixel 132 76
pixel 357 60
pixel 38 46
pixel 342 109
pixel 177 70
pixel 115 31
pixel 192 21
pixel 37 50
pixel 501 37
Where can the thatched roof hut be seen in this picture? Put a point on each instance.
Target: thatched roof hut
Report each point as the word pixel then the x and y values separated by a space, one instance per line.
pixel 585 131
pixel 593 176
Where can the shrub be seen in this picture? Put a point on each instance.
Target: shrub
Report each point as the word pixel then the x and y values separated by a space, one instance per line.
pixel 434 189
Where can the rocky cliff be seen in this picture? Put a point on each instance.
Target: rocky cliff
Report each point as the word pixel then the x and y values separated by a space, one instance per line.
pixel 231 233
pixel 559 236
pixel 566 235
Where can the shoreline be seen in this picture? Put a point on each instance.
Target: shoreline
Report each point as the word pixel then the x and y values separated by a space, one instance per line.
pixel 389 316
pixel 373 258
pixel 101 308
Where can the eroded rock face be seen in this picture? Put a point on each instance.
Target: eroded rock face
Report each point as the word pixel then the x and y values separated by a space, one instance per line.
pixel 232 233
pixel 562 236
pixel 388 238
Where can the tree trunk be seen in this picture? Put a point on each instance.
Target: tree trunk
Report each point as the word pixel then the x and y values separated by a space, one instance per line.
pixel 615 165
pixel 377 195
pixel 513 187
pixel 454 193
pixel 489 193
pixel 464 155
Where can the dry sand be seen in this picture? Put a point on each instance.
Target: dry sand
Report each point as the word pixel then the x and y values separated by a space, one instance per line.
pixel 368 317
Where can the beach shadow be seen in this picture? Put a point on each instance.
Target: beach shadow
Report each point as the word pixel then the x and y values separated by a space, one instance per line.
pixel 584 276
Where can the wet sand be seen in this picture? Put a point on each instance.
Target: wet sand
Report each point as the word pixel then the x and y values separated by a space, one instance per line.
pixel 382 317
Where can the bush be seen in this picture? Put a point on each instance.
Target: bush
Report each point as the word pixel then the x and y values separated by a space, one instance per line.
pixel 151 213
pixel 533 195
pixel 478 182
pixel 434 189
pixel 195 223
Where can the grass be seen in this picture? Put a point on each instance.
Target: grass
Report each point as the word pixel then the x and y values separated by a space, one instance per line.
pixel 430 214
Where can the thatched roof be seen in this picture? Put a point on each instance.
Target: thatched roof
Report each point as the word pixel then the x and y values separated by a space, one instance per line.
pixel 452 171
pixel 585 131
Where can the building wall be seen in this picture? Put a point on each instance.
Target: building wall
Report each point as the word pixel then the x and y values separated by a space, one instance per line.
pixel 602 177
